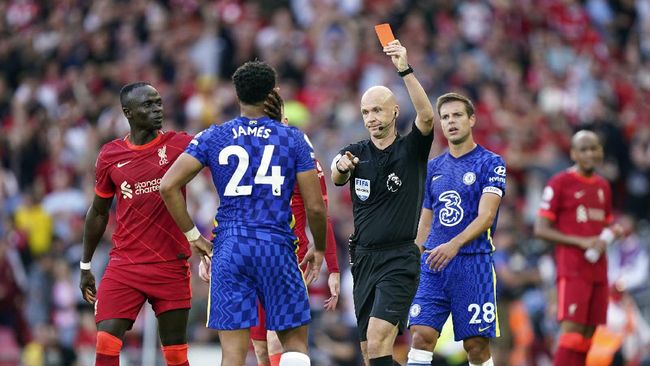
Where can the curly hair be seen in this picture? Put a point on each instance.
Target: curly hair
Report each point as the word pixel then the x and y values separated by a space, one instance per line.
pixel 253 81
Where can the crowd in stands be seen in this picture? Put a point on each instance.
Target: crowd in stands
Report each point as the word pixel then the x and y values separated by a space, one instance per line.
pixel 536 70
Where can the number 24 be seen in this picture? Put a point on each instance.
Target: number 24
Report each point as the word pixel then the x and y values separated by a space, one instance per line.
pixel 276 179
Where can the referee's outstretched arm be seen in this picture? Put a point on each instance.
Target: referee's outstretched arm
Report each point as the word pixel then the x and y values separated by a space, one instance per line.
pixel 419 98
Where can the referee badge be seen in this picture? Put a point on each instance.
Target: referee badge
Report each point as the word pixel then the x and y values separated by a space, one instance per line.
pixel 362 188
pixel 393 182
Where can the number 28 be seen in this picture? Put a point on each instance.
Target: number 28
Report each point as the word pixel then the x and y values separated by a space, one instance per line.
pixel 489 313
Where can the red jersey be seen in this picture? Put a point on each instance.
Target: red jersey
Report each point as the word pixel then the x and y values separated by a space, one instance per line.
pixel 580 206
pixel 300 217
pixel 146 232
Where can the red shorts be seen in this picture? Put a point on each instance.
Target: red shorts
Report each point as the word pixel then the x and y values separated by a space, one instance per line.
pixel 582 301
pixel 123 289
pixel 258 332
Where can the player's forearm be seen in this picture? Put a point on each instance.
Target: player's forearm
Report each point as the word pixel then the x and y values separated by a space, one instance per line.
pixel 317 218
pixel 424 228
pixel 420 100
pixel 423 234
pixel 477 227
pixel 175 203
pixel 555 236
pixel 94 228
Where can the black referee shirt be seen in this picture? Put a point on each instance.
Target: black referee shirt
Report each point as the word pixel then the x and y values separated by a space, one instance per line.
pixel 387 187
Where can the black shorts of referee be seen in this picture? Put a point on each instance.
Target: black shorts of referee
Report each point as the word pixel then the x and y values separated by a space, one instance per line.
pixel 385 282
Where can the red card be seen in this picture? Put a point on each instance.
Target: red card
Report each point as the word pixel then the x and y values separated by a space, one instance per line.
pixel 384 33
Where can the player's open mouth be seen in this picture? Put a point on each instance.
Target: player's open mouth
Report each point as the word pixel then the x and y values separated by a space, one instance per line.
pixel 452 130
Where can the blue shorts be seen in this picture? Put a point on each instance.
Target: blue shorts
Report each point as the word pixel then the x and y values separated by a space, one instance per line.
pixel 245 269
pixel 466 288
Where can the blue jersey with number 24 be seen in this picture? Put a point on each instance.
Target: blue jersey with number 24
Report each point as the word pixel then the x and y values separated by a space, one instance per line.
pixel 254 163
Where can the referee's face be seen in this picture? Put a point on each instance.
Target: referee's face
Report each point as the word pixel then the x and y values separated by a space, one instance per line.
pixel 379 113
pixel 456 124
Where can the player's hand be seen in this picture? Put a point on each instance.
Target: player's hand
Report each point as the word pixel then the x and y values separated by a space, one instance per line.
pixel 397 54
pixel 202 246
pixel 87 286
pixel 334 283
pixel 440 256
pixel 595 243
pixel 313 267
pixel 274 106
pixel 309 256
pixel 205 268
pixel 618 229
pixel 347 162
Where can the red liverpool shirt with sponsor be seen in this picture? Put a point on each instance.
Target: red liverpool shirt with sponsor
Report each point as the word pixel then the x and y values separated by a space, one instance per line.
pixel 299 229
pixel 146 232
pixel 580 206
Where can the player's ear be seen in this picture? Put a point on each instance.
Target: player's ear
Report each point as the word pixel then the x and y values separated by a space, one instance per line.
pixel 127 112
pixel 472 120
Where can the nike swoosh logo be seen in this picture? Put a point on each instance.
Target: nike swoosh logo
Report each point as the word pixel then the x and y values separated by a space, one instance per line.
pixel 436 177
pixel 119 165
pixel 579 194
pixel 481 330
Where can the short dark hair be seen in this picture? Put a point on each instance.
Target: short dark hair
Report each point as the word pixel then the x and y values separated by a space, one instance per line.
pixel 455 97
pixel 128 88
pixel 253 81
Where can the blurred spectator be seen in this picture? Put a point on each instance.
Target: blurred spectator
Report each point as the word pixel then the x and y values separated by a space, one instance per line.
pixel 628 259
pixel 13 282
pixel 32 218
pixel 515 276
pixel 625 339
pixel 638 178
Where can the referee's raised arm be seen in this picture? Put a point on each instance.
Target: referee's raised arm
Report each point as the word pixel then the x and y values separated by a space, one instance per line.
pixel 419 98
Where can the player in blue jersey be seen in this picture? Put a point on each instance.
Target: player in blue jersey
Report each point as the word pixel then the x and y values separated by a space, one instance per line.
pixel 255 162
pixel 463 191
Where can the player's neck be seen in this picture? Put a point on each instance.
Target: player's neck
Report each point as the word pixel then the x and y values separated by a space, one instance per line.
pixel 582 172
pixel 142 137
pixel 252 111
pixel 458 150
pixel 383 142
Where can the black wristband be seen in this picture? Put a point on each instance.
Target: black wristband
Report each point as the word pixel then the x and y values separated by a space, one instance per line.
pixel 403 73
pixel 341 171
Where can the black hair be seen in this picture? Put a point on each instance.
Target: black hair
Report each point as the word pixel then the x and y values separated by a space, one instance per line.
pixel 128 88
pixel 253 81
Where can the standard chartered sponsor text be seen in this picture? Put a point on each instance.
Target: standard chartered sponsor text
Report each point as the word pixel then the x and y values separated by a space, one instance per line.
pixel 148 186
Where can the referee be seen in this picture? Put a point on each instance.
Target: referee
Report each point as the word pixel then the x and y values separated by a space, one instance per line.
pixel 386 175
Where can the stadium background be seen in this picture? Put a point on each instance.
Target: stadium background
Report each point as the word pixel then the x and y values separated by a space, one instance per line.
pixel 537 70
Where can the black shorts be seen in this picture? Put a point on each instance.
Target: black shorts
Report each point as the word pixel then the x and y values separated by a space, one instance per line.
pixel 385 282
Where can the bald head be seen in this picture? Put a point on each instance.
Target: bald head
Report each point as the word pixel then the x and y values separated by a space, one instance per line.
pixel 586 151
pixel 379 110
pixel 378 95
pixel 584 137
